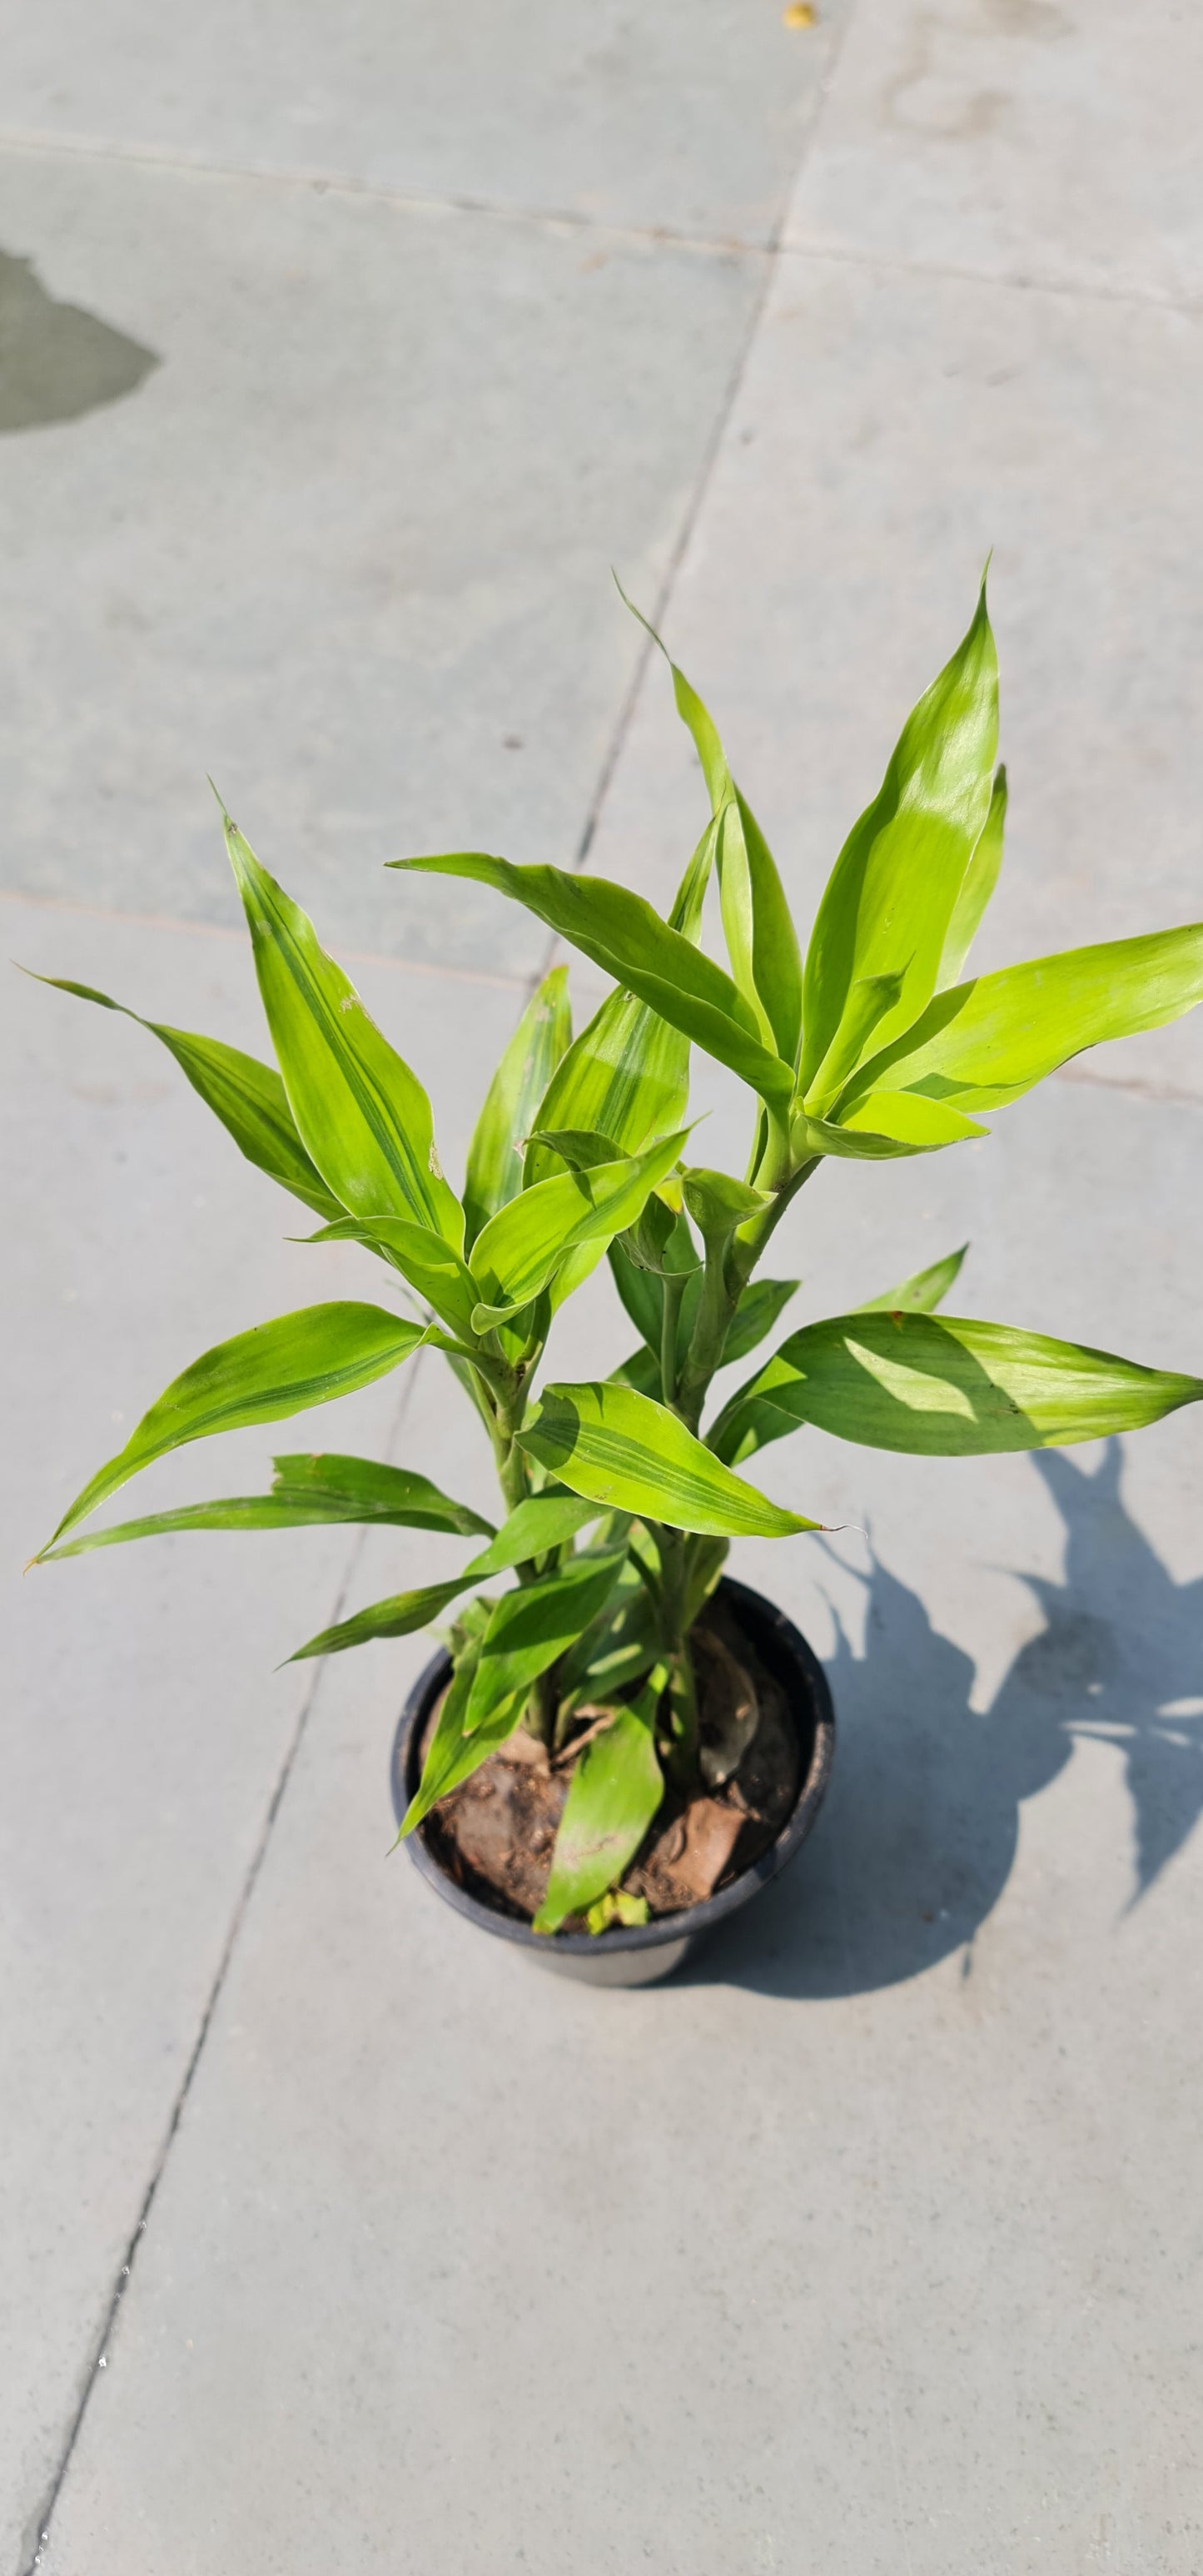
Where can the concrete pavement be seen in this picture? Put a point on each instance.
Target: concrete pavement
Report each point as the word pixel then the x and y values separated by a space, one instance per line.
pixel 874 2245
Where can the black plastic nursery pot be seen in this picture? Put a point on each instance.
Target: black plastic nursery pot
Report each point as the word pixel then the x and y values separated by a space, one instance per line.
pixel 642 1954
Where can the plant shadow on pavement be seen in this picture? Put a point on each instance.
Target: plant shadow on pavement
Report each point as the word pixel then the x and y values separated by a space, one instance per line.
pixel 922 1821
pixel 58 361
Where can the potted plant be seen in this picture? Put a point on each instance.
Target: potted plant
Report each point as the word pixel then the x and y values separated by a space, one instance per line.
pixel 619 1743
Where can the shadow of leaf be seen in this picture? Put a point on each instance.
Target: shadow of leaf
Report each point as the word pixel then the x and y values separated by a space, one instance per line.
pixel 1122 1654
pixel 919 1835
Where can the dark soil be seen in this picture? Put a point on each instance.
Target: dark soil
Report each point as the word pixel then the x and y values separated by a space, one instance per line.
pixel 494 1834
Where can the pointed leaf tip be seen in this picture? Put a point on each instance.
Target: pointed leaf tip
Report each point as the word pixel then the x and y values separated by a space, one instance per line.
pixel 889 901
pixel 627 1451
pixel 279 1368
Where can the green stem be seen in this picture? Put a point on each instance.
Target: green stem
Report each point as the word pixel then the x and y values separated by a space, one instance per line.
pixel 485 1365
pixel 683 1702
pixel 539 1714
pixel 730 1261
pixel 716 1308
pixel 649 1579
pixel 752 1239
pixel 682 1693
pixel 671 1546
pixel 672 1287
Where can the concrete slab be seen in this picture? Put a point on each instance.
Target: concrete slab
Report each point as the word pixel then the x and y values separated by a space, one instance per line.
pixel 686 116
pixel 1050 141
pixel 889 429
pixel 875 2242
pixel 148 1726
pixel 347 546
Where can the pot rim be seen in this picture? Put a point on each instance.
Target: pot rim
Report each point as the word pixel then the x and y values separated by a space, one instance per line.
pixel 663 1928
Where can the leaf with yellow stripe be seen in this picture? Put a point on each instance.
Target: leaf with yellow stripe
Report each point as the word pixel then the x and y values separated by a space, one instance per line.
pixel 276 1369
pixel 362 1115
pixel 623 1449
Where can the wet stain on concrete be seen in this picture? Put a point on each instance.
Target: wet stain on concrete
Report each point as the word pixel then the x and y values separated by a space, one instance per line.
pixel 930 93
pixel 56 360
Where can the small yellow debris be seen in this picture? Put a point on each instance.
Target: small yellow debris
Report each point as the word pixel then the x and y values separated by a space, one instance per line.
pixel 799 14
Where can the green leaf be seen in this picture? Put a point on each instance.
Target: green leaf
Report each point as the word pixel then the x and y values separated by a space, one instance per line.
pixel 521 1248
pixel 531 1627
pixel 619 1645
pixel 984 1043
pixel 248 1097
pixel 717 1203
pixel 748 1422
pixel 621 1448
pixel 977 886
pixel 761 940
pixel 239 1512
pixel 760 1305
pixel 640 1293
pixel 890 899
pixel 629 941
pixel 452 1755
pixel 278 1368
pixel 615 1907
pixel 398 1616
pixel 427 1262
pixel 468 1626
pixel 882 1128
pixel 367 1489
pixel 543 1521
pixel 660 1240
pixel 306 1490
pixel 612 1797
pixel 579 1149
pixel 640 1369
pixel 495 1154
pixel 938 1386
pixel 627 1075
pixel 871 999
pixel 707 1558
pixel 908 1121
pixel 920 1294
pixel 659 1246
pixel 362 1114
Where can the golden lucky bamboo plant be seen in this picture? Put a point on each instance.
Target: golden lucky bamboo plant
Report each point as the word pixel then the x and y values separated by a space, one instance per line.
pixel 621 1496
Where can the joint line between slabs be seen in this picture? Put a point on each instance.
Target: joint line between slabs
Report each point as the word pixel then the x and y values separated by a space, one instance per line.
pixel 98 2352
pixel 696 501
pixel 229 930
pixel 1005 280
pixel 147 156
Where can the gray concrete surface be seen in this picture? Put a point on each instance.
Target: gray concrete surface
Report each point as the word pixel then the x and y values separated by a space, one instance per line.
pixel 873 2245
pixel 1048 142
pixel 152 1726
pixel 347 549
pixel 678 119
